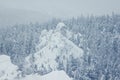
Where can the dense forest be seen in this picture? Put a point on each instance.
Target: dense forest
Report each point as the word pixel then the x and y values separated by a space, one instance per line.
pixel 98 36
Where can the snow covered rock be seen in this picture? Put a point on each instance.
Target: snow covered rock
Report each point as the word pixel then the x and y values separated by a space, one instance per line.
pixel 8 71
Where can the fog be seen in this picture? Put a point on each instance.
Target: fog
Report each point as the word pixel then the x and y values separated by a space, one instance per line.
pixel 61 8
pixel 54 8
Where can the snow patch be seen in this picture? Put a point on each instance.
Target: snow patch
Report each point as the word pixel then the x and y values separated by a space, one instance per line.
pixel 55 75
pixel 8 71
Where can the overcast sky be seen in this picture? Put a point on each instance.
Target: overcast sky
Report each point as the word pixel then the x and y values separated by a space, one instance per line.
pixel 65 7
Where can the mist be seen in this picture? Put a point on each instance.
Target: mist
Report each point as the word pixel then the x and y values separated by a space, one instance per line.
pixel 16 10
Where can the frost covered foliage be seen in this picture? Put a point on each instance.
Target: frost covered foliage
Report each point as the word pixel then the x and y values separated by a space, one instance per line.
pixel 98 37
pixel 53 51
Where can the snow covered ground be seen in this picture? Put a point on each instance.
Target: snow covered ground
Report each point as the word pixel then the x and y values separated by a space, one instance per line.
pixel 8 71
pixel 55 75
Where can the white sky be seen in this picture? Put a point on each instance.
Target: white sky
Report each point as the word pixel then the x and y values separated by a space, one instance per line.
pixel 65 7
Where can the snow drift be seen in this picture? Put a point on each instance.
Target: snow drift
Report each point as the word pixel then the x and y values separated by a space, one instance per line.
pixel 8 71
pixel 55 75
